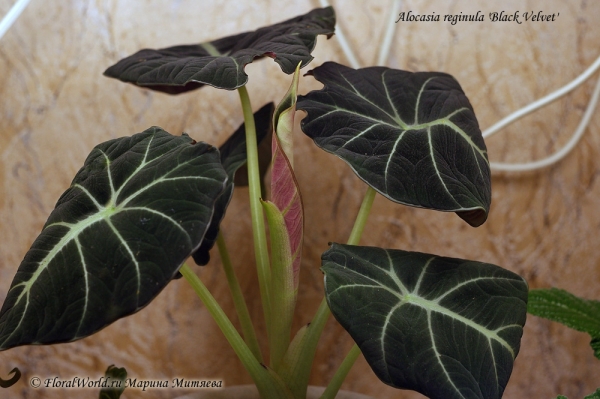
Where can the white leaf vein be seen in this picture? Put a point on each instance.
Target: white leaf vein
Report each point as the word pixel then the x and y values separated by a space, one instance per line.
pixel 103 214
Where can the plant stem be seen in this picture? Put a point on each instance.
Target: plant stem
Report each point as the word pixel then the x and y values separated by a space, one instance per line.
pixel 341 373
pixel 238 300
pixel 315 329
pixel 268 386
pixel 258 222
pixel 359 225
pixel 361 218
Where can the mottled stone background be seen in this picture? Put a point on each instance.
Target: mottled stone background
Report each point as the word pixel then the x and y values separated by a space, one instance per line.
pixel 55 106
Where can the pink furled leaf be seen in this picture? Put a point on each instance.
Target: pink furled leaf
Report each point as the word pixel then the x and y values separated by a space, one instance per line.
pixel 284 187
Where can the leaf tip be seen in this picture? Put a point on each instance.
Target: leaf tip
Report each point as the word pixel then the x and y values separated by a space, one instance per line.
pixel 475 217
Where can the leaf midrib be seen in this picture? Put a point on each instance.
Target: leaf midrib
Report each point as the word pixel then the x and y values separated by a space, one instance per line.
pixel 404 127
pixel 431 305
pixel 105 213
pixel 72 234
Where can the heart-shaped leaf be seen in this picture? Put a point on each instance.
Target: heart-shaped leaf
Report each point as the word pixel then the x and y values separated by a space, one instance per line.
pixel 448 328
pixel 220 63
pixel 413 137
pixel 233 157
pixel 135 211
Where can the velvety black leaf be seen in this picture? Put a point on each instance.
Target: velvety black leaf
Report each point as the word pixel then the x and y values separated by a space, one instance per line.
pixel 220 63
pixel 135 211
pixel 233 158
pixel 448 328
pixel 413 137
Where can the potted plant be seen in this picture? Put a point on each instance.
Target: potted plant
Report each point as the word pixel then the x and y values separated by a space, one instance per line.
pixel 141 205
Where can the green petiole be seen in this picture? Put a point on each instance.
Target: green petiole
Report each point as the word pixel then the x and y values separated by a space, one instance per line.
pixel 268 385
pixel 238 300
pixel 301 364
pixel 258 222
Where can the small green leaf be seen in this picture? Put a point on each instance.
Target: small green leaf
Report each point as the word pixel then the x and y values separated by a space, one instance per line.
pixel 595 395
pixel 233 158
pixel 220 63
pixel 595 344
pixel 135 211
pixel 413 137
pixel 574 312
pixel 447 328
pixel 115 381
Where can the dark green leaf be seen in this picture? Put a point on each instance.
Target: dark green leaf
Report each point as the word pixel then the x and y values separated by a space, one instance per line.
pixel 574 312
pixel 115 381
pixel 135 211
pixel 448 328
pixel 595 344
pixel 413 137
pixel 595 395
pixel 220 63
pixel 233 157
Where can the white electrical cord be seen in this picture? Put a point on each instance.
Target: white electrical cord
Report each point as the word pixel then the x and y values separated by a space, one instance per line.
pixel 20 5
pixel 384 49
pixel 339 34
pixel 12 16
pixel 560 154
pixel 557 156
pixel 497 166
pixel 544 100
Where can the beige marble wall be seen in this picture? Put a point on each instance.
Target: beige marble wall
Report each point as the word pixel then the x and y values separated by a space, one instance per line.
pixel 55 105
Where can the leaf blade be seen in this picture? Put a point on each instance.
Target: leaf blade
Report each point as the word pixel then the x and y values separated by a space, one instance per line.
pixel 233 158
pixel 563 307
pixel 220 63
pixel 135 211
pixel 413 137
pixel 411 313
